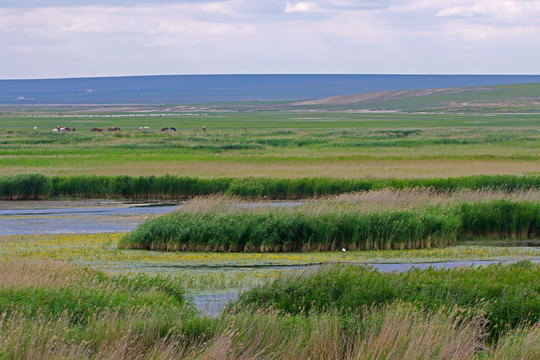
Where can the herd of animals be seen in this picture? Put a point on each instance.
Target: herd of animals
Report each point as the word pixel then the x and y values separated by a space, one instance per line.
pixel 116 128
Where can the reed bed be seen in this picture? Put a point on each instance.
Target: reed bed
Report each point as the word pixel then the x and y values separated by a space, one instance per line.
pixel 384 328
pixel 507 295
pixel 217 225
pixel 61 288
pixel 38 187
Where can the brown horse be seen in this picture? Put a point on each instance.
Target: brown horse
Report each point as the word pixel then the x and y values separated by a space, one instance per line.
pixel 164 129
pixel 116 128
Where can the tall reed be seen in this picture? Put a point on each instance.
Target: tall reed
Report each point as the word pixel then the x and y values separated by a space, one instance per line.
pixel 277 231
pixel 333 225
pixel 508 294
pixel 432 327
pixel 36 187
pixel 25 187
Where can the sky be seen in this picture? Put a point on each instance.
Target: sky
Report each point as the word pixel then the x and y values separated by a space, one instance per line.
pixel 87 38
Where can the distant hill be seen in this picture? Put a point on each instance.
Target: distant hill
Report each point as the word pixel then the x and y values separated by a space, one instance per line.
pixel 189 89
pixel 515 97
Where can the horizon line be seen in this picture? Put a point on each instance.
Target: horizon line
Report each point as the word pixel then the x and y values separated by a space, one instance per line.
pixel 259 74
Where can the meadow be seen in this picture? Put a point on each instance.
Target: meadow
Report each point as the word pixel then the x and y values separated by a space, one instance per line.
pixel 327 144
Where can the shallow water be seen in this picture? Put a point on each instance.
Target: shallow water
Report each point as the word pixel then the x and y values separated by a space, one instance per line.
pixel 214 304
pixel 87 216
pixel 95 216
pixel 34 217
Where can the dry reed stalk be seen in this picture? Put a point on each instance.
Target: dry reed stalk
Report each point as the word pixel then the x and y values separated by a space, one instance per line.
pixel 407 333
pixel 27 273
pixel 409 198
pixel 522 343
pixel 414 197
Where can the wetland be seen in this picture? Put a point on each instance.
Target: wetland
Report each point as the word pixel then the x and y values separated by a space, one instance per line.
pixel 272 234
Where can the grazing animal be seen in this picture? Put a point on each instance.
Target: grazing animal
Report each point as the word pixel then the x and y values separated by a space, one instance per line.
pixel 116 128
pixel 141 128
pixel 172 129
pixel 245 129
pixel 164 129
pixel 55 130
pixel 197 129
pixel 99 130
pixel 146 128
pixel 35 127
pixel 73 129
pixel 204 128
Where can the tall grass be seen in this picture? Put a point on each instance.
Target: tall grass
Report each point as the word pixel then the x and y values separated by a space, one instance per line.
pixel 509 295
pixel 25 187
pixel 279 231
pixel 333 225
pixel 36 187
pixel 387 329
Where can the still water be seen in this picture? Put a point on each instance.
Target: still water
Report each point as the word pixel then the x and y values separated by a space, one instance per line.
pixel 61 217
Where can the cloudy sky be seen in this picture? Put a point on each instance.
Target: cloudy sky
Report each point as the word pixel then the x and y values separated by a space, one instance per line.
pixel 79 38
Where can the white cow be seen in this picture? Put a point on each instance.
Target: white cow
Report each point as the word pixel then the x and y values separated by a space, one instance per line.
pixel 35 127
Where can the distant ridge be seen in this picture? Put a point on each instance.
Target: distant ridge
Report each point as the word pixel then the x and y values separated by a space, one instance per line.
pixel 186 89
pixel 506 98
pixel 380 96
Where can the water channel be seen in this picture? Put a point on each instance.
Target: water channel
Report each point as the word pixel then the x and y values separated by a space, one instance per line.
pixel 98 216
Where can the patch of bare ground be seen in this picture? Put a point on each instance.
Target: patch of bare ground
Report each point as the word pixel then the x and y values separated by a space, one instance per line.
pixel 380 96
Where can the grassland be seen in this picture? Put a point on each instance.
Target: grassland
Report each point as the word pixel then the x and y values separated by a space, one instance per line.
pixel 326 144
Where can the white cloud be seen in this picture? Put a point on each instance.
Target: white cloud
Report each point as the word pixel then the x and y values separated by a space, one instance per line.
pixel 300 7
pixel 270 36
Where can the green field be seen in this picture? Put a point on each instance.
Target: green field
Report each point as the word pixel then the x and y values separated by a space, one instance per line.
pixel 276 144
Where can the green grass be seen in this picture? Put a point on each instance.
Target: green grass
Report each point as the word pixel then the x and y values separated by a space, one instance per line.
pixel 39 187
pixel 448 319
pixel 509 295
pixel 89 293
pixel 333 226
pixel 328 144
